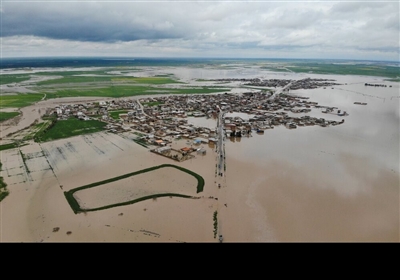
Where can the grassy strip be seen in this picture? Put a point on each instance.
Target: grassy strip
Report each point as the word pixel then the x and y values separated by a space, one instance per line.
pixel 10 79
pixel 69 195
pixel 12 145
pixel 215 219
pixel 108 78
pixel 68 128
pixel 24 158
pixel 132 201
pixel 7 115
pixel 3 187
pixel 141 142
pixel 8 146
pixel 346 69
pixel 127 91
pixel 37 129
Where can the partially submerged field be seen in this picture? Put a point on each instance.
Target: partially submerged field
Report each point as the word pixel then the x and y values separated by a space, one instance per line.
pixel 20 90
pixel 150 183
pixel 39 174
pixel 7 115
pixel 337 68
pixel 334 184
pixel 68 128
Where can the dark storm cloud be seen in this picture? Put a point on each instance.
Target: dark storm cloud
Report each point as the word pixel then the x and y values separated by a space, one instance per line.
pixel 83 22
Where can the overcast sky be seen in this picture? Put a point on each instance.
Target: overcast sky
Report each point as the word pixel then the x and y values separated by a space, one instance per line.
pixel 233 29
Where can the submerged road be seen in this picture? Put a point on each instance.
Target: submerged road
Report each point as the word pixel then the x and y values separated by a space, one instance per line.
pixel 220 145
pixel 220 167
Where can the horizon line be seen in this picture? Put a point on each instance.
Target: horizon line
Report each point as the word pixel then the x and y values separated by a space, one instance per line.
pixel 190 57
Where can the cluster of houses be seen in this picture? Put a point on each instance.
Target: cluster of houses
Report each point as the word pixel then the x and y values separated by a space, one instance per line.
pixel 306 83
pixel 88 110
pixel 159 120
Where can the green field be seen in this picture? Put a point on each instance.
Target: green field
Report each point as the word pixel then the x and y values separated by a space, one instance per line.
pixel 38 130
pixel 338 69
pixel 68 128
pixel 23 100
pixel 127 91
pixel 346 69
pixel 7 115
pixel 19 100
pixel 10 78
pixel 109 78
pixel 115 114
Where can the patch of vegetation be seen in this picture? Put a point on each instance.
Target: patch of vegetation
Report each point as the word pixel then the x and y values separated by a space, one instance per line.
pixel 215 219
pixel 3 187
pixel 203 80
pixel 68 128
pixel 164 75
pixel 24 161
pixel 8 146
pixel 141 142
pixel 139 134
pixel 8 115
pixel 39 129
pixel 115 114
pixel 10 78
pixel 69 195
pixel 19 100
pixel 345 69
pixel 158 80
pixel 102 77
pixel 153 103
pixel 275 69
pixel 73 73
pixel 127 91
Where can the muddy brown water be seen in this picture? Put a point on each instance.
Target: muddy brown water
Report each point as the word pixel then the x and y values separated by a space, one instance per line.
pixel 335 183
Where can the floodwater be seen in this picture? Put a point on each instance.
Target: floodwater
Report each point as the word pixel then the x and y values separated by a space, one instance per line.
pixel 312 183
pixel 337 183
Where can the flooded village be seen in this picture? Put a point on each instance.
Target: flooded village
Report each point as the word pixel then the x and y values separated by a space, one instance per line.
pixel 307 150
pixel 157 121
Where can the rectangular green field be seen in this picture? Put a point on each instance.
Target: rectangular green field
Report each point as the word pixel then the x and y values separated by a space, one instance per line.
pixel 71 127
pixel 127 91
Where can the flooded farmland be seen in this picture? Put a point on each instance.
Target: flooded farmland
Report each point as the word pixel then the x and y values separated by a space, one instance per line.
pixel 335 183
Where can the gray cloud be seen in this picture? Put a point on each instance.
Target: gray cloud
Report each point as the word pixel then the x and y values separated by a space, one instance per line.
pixel 244 29
pixel 85 21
